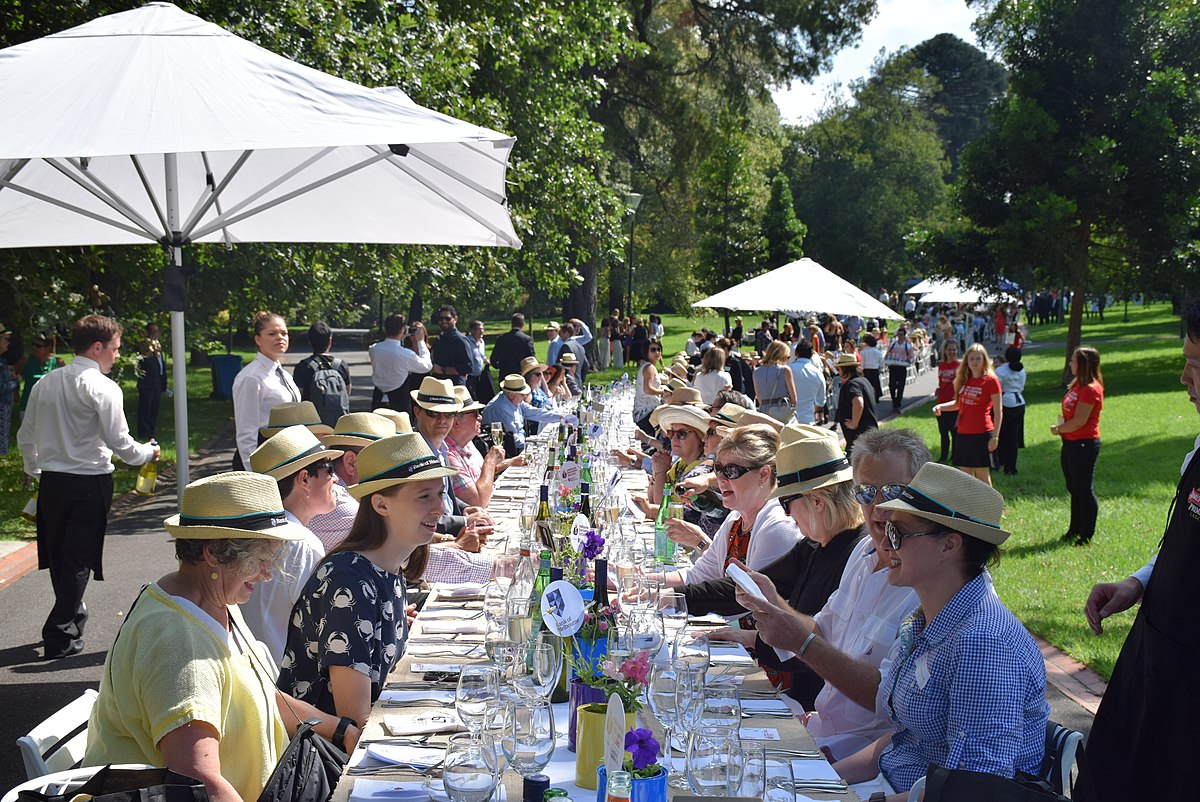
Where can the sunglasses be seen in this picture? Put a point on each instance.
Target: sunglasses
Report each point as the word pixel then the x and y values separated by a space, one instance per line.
pixel 656 350
pixel 435 415
pixel 537 373
pixel 316 468
pixel 896 537
pixel 786 501
pixel 732 472
pixel 865 494
pixel 680 434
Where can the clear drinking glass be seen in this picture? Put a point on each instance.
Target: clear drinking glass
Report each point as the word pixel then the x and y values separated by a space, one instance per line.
pixel 672 606
pixel 714 761
pixel 767 776
pixel 690 651
pixel 478 688
pixel 536 669
pixel 689 710
pixel 722 709
pixel 469 773
pixel 645 631
pixel 527 737
pixel 661 695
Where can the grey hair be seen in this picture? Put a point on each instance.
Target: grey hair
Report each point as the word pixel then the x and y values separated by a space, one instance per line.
pixel 905 441
pixel 228 551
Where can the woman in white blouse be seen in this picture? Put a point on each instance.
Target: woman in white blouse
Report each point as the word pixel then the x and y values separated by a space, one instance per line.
pixel 261 385
pixel 756 532
pixel 712 377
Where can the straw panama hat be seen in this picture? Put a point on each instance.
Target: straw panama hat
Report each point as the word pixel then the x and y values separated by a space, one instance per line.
pixel 810 463
pixel 464 395
pixel 300 413
pixel 287 452
pixel 396 460
pixel 802 431
pixel 400 419
pixel 567 358
pixel 728 415
pixel 513 383
pixel 552 326
pixel 359 429
pixel 947 496
pixel 436 395
pixel 676 383
pixel 846 361
pixel 750 417
pixel 531 363
pixel 684 396
pixel 235 504
pixel 683 415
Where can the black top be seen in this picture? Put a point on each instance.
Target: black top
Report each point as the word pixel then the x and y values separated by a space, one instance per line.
pixel 807 576
pixel 858 387
pixel 508 351
pixel 580 355
pixel 451 350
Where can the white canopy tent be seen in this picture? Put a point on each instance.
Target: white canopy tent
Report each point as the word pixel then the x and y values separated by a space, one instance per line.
pixel 958 294
pixel 154 126
pixel 928 285
pixel 799 287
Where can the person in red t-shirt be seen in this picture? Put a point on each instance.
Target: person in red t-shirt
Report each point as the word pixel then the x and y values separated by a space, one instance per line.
pixel 947 421
pixel 1079 428
pixel 980 414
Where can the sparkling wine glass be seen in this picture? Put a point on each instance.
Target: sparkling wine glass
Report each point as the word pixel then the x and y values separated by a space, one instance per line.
pixel 469 772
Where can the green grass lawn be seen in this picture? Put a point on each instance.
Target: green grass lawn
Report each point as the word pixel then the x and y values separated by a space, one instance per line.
pixel 205 418
pixel 1147 427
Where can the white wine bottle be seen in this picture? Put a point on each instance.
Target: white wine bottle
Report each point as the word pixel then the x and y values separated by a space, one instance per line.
pixel 147 476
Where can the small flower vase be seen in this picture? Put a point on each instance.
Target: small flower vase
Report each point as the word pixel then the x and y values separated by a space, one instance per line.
pixel 589 652
pixel 589 742
pixel 645 789
pixel 580 694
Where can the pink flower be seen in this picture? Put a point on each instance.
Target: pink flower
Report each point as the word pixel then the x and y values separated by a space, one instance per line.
pixel 636 669
pixel 602 626
pixel 609 669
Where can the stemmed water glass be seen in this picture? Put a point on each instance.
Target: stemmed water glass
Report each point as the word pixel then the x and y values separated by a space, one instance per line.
pixel 478 689
pixel 689 708
pixel 723 710
pixel 672 606
pixel 714 761
pixel 661 695
pixel 766 776
pixel 690 650
pixel 527 737
pixel 469 771
pixel 644 632
pixel 536 669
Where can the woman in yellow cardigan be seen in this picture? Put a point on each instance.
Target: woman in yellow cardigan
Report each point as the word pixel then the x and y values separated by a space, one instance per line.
pixel 185 684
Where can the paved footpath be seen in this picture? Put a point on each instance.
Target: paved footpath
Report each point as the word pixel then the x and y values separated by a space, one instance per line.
pixel 138 551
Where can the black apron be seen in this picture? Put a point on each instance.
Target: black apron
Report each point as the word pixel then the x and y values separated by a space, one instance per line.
pixel 1141 745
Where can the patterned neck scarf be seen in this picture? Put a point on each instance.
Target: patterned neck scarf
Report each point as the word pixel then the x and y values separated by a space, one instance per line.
pixel 739 542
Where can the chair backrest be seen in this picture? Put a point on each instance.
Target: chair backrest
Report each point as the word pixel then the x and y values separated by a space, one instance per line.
pixel 58 743
pixel 1061 746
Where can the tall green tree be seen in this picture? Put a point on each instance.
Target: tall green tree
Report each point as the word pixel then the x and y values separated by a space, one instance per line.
pixel 731 244
pixel 1096 142
pixel 784 232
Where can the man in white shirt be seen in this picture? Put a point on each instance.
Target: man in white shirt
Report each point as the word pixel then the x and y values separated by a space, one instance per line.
pixel 847 641
pixel 392 362
pixel 74 423
pixel 810 383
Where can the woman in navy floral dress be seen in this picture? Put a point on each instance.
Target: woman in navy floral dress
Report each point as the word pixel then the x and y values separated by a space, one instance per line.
pixel 348 627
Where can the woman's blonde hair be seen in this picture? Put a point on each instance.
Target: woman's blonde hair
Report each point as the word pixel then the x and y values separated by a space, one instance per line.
pixel 964 372
pixel 713 362
pixel 842 510
pixel 756 444
pixel 776 354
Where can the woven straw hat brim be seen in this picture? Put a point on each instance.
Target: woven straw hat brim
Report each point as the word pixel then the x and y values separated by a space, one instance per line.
pixel 731 413
pixel 347 439
pixel 291 468
pixel 530 366
pixel 401 419
pixel 837 477
pixel 319 429
pixel 950 490
pixel 683 415
pixel 509 386
pixel 823 454
pixel 751 417
pixel 364 489
pixel 795 432
pixel 215 505
pixel 434 407
pixel 439 388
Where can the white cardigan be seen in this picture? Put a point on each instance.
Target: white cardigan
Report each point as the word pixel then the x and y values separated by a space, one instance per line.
pixel 772 536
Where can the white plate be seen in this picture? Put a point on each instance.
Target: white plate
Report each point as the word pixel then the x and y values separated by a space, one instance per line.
pixel 402 754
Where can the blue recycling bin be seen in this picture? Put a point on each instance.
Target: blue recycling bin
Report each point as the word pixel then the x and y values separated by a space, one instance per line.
pixel 224 368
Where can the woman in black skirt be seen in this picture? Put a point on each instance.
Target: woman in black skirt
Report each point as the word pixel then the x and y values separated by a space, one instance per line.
pixel 1012 384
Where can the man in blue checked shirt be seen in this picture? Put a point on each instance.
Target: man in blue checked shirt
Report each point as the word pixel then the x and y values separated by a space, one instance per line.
pixel 511 408
pixel 966 685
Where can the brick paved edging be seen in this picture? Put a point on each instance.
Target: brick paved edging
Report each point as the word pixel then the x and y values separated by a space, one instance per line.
pixel 1076 681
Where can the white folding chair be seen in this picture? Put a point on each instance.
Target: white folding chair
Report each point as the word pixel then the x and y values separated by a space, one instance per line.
pixel 58 743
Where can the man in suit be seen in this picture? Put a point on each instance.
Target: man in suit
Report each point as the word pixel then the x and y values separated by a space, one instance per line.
pixel 151 384
pixel 509 349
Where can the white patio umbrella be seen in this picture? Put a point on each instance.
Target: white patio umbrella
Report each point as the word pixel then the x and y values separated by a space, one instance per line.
pixel 154 126
pixel 800 286
pixel 955 293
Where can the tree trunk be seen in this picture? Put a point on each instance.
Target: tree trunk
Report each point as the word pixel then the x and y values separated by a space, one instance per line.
pixel 581 303
pixel 1078 283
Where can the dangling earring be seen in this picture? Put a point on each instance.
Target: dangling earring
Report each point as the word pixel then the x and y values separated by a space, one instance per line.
pixel 214 575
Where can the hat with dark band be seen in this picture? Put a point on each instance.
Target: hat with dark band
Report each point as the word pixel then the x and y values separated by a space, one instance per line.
pixel 436 395
pixel 464 395
pixel 300 413
pixel 530 363
pixel 396 460
pixel 810 463
pixel 955 500
pixel 514 384
pixel 233 505
pixel 401 419
pixel 567 358
pixel 360 429
pixel 728 415
pixel 288 452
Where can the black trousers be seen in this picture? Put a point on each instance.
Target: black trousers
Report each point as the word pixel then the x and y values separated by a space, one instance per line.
pixel 872 375
pixel 1012 438
pixel 948 429
pixel 149 400
pixel 72 517
pixel 897 376
pixel 1079 469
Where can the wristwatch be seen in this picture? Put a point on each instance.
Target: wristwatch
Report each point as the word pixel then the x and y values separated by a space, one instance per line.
pixel 339 734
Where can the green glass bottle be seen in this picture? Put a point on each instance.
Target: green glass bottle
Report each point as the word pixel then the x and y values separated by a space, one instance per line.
pixel 664 547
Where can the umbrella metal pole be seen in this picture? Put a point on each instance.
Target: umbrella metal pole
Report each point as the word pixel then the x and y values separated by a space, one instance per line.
pixel 178 351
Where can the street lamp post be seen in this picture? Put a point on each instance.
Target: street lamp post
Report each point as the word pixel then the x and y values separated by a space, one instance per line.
pixel 632 199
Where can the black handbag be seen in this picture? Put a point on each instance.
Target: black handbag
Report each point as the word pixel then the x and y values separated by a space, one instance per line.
pixel 308 770
pixel 959 785
pixel 111 784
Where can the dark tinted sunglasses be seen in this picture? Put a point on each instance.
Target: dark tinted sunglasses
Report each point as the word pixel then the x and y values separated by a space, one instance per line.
pixel 430 413
pixel 732 472
pixel 865 493
pixel 316 468
pixel 786 501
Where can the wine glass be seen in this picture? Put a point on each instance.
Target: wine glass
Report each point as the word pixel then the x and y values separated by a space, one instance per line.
pixel 714 761
pixel 528 735
pixel 689 708
pixel 495 605
pixel 722 710
pixel 478 688
pixel 661 695
pixel 469 771
pixel 501 650
pixel 766 776
pixel 672 604
pixel 691 651
pixel 645 631
pixel 536 669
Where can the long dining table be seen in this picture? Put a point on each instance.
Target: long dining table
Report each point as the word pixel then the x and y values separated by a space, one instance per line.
pixel 448 633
